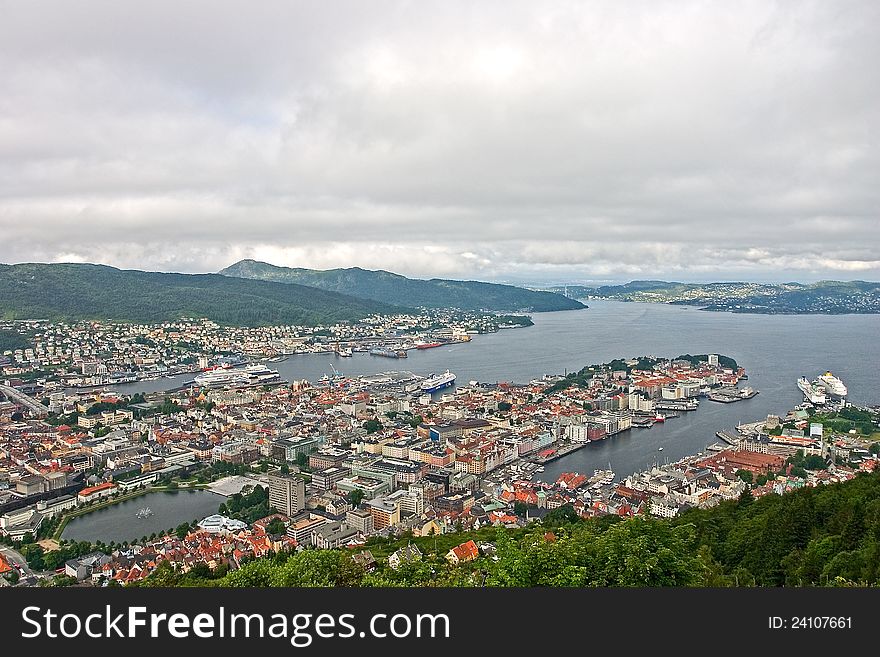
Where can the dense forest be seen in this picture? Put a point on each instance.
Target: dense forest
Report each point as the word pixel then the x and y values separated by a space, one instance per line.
pixel 825 536
pixel 396 289
pixel 75 292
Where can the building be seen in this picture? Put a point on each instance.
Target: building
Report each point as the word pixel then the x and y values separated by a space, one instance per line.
pixel 287 494
pixel 463 553
pixel 97 492
pixel 360 520
pixel 406 554
pixel 386 513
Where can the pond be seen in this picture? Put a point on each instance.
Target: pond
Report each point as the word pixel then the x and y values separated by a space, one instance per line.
pixel 121 522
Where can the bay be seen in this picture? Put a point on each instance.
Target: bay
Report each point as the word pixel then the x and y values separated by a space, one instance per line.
pixel 774 349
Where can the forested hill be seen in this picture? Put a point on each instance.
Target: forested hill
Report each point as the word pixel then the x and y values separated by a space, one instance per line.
pixel 85 291
pixel 828 535
pixel 396 289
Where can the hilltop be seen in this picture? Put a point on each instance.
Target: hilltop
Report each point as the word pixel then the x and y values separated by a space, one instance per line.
pixel 388 287
pixel 73 292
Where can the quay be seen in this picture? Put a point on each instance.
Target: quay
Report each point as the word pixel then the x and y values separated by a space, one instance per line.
pixel 728 437
pixel 558 453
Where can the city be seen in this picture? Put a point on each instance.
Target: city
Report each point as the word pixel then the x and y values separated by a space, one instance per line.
pixel 344 462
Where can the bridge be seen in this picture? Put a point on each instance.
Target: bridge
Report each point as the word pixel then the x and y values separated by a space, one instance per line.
pixel 35 407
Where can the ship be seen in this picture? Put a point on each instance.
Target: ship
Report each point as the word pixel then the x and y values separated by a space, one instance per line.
pixel 813 392
pixel 438 382
pixel 387 353
pixel 832 385
pixel 344 352
pixel 228 376
pixel 428 345
pixel 659 417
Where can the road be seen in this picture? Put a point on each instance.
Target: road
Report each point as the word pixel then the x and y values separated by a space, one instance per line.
pixel 16 559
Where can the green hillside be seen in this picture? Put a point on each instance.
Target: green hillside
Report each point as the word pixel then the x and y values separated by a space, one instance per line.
pixel 83 291
pixel 829 535
pixel 396 289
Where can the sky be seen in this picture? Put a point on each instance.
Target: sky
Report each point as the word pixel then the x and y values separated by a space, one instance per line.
pixel 507 141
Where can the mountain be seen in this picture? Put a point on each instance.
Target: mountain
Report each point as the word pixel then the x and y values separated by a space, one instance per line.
pixel 85 291
pixel 824 297
pixel 396 289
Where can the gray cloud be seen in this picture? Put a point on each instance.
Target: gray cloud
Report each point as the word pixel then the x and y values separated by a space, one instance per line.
pixel 486 140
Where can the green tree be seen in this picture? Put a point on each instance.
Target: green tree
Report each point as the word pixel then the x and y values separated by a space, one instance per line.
pixel 372 425
pixel 276 526
pixel 745 475
pixel 355 497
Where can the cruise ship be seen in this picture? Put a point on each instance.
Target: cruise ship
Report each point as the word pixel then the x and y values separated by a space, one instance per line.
pixel 832 384
pixel 438 382
pixel 227 376
pixel 813 392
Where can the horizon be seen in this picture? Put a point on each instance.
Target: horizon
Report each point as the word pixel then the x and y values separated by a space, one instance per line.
pixel 524 283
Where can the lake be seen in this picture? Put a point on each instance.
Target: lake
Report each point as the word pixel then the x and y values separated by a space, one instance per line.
pixel 120 523
pixel 774 349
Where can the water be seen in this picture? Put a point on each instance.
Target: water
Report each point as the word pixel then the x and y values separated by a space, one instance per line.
pixel 119 522
pixel 774 349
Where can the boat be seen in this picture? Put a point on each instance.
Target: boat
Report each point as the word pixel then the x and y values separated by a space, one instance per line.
pixel 813 392
pixel 387 353
pixel 438 382
pixel 428 345
pixel 659 449
pixel 832 385
pixel 146 512
pixel 345 352
pixel 248 375
pixel 659 417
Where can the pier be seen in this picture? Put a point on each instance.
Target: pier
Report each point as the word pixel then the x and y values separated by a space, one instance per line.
pixel 728 437
pixel 559 453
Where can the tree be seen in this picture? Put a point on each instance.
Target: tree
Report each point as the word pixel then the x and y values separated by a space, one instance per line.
pixel 504 406
pixel 276 526
pixel 302 460
pixel 746 476
pixel 520 508
pixel 355 497
pixel 372 425
pixel 182 530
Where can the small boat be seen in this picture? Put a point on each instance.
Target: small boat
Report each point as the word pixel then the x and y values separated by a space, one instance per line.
pixel 659 449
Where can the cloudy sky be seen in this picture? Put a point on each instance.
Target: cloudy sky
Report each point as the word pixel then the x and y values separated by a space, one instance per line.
pixel 523 141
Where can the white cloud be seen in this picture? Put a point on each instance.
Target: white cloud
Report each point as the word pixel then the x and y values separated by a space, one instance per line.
pixel 518 139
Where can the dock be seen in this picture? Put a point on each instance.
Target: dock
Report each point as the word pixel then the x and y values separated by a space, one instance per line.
pixel 729 437
pixel 559 453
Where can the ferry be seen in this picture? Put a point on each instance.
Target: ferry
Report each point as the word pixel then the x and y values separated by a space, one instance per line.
pixel 813 392
pixel 438 382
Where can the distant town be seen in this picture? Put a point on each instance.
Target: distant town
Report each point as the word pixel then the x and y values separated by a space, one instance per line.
pixel 823 298
pixel 355 462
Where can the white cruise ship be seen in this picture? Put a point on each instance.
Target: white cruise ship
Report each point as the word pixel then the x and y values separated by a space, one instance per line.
pixel 250 375
pixel 813 392
pixel 833 385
